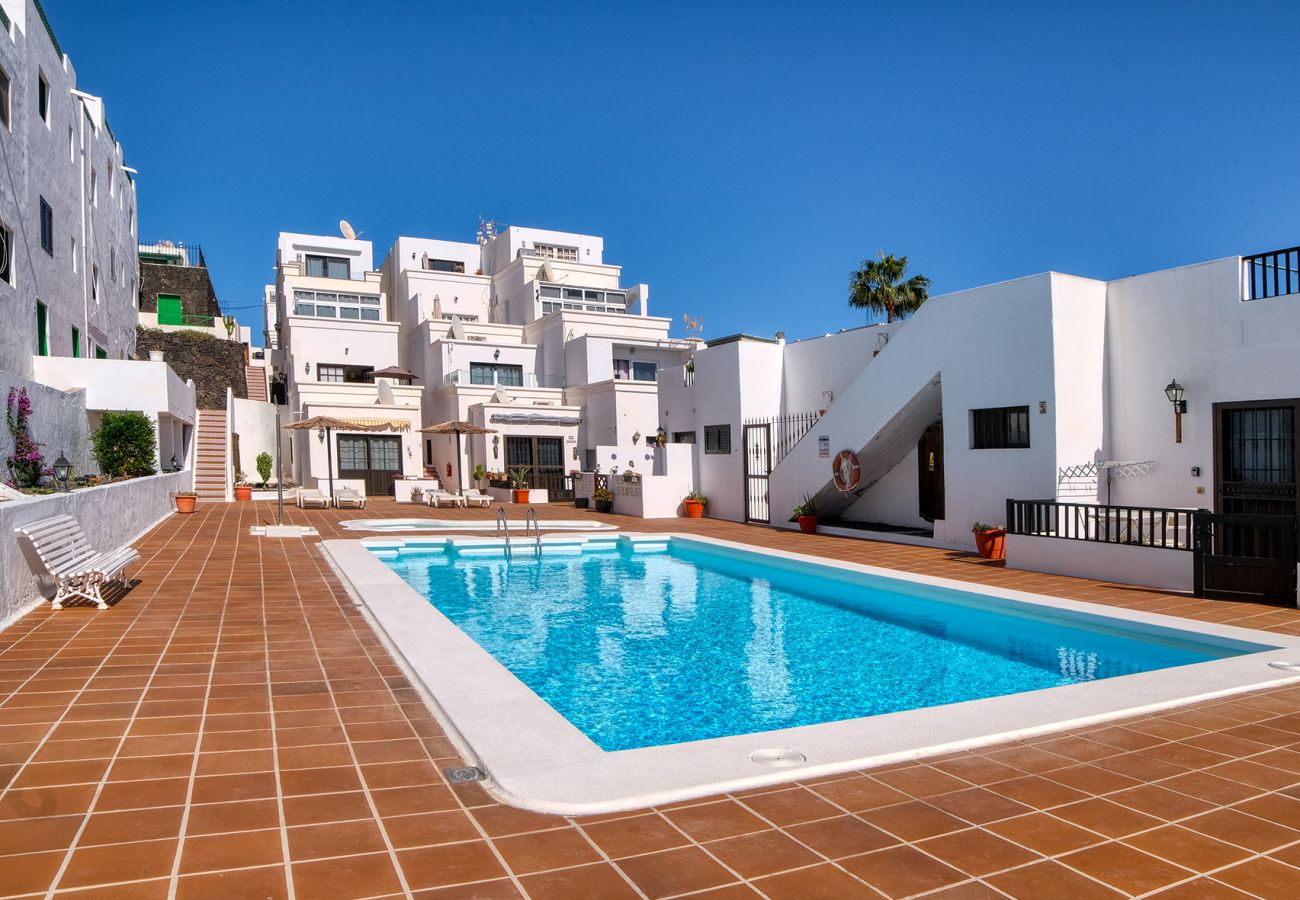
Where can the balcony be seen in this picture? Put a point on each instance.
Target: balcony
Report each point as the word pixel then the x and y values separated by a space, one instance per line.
pixel 167 253
pixel 1275 273
pixel 464 377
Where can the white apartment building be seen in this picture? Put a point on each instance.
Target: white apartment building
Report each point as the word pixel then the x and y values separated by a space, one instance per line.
pixel 1045 388
pixel 68 271
pixel 330 326
pixel 533 334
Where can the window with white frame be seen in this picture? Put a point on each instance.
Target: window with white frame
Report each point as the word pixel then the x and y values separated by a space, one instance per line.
pixel 557 252
pixel 6 254
pixel 42 97
pixel 556 297
pixel 327 305
pixel 635 370
pixel 5 106
pixel 332 374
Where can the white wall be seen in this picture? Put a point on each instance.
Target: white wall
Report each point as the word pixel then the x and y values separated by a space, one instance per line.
pixel 828 363
pixel 1166 570
pixel 58 424
pixel 254 422
pixel 111 515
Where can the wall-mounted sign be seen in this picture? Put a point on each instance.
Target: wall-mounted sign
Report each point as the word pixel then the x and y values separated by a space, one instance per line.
pixel 824 446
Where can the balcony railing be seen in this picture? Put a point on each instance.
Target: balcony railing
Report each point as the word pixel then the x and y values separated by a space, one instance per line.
pixel 1139 526
pixel 1272 274
pixel 786 431
pixel 168 253
pixel 528 380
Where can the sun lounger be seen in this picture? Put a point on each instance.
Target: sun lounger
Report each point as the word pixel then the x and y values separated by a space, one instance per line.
pixel 442 498
pixel 475 497
pixel 58 552
pixel 350 499
pixel 312 498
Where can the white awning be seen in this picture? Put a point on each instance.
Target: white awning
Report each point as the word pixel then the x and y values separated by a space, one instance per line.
pixel 534 419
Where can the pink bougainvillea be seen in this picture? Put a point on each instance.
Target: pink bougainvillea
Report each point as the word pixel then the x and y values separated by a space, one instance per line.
pixel 26 464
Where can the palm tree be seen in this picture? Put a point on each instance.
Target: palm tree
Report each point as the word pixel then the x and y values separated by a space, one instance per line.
pixel 882 285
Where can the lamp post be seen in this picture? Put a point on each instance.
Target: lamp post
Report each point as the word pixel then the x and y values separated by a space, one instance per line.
pixel 62 471
pixel 1174 393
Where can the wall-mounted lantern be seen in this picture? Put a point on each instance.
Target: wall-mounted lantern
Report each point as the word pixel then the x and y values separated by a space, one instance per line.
pixel 306 368
pixel 1174 391
pixel 496 446
pixel 496 354
pixel 62 471
pixel 320 435
pixel 636 437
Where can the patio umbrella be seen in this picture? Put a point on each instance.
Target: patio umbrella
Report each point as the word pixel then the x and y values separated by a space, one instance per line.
pixel 395 372
pixel 329 423
pixel 457 428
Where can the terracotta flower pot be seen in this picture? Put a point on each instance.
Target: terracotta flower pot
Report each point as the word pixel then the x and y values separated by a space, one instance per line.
pixel 991 544
pixel 185 504
pixel 808 524
pixel 521 496
pixel 243 492
pixel 694 508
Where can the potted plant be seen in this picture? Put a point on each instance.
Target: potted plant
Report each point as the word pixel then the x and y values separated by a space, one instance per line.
pixel 263 464
pixel 519 482
pixel 990 540
pixel 694 503
pixel 480 472
pixel 417 494
pixel 604 500
pixel 185 501
pixel 806 512
pixel 243 490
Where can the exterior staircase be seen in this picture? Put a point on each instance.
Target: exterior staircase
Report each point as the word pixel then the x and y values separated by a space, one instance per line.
pixel 211 452
pixel 256 378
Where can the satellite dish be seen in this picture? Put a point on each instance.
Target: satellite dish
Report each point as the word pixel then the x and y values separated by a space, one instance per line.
pixel 347 230
pixel 457 329
pixel 546 273
pixel 386 394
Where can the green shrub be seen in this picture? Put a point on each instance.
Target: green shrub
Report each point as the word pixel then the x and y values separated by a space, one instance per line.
pixel 264 466
pixel 125 444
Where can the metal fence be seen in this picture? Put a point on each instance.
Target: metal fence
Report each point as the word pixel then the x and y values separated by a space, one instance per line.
pixel 1141 526
pixel 170 253
pixel 786 431
pixel 1272 274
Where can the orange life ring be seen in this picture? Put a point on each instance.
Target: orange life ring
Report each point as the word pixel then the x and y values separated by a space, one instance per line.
pixel 847 470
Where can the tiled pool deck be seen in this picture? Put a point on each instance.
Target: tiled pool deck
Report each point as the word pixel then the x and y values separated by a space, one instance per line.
pixel 235 729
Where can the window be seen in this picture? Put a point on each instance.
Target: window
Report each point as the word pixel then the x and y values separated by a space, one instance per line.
pixel 495 373
pixel 627 370
pixel 717 438
pixel 4 100
pixel 444 265
pixel 169 309
pixel 683 437
pixel 553 251
pixel 72 145
pixel 554 299
pixel 112 265
pixel 47 227
pixel 101 353
pixel 328 267
pixel 43 98
pixel 76 341
pixel 94 188
pixel 322 305
pixel 72 247
pixel 1001 428
pixel 42 337
pixel 6 254
pixel 94 283
pixel 332 374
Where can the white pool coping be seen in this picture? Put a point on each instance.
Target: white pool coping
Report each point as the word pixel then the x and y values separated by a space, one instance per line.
pixel 436 525
pixel 536 759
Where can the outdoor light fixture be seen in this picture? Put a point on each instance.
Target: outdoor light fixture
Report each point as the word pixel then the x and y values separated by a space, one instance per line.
pixel 1174 391
pixel 496 354
pixel 496 445
pixel 320 435
pixel 636 437
pixel 176 466
pixel 306 368
pixel 63 471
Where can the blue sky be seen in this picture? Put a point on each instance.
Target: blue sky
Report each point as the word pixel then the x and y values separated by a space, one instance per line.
pixel 740 158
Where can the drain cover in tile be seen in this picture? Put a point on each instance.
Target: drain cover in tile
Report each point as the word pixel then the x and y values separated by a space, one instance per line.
pixel 778 758
pixel 464 775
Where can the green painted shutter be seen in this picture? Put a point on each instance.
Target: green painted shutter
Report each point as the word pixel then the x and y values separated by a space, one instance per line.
pixel 101 353
pixel 42 340
pixel 169 309
pixel 76 341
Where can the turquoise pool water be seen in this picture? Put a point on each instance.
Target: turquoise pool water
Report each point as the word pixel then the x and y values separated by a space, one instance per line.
pixel 693 641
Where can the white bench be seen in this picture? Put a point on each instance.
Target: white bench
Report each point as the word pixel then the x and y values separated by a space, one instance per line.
pixel 57 550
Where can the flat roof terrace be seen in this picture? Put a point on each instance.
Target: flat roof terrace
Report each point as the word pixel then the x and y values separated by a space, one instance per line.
pixel 233 727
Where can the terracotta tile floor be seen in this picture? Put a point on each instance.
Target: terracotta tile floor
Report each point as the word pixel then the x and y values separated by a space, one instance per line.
pixel 233 728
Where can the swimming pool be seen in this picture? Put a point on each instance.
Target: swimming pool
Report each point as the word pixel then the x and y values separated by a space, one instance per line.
pixel 516 527
pixel 623 670
pixel 639 647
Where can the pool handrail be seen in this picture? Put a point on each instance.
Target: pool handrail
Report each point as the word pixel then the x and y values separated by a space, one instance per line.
pixel 531 516
pixel 503 527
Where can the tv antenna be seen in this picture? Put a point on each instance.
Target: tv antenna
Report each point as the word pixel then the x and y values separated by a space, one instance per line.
pixel 487 229
pixel 347 230
pixel 693 325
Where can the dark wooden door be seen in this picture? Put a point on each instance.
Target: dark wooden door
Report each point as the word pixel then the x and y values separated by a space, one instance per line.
pixel 1245 557
pixel 543 457
pixel 929 483
pixel 1256 458
pixel 374 459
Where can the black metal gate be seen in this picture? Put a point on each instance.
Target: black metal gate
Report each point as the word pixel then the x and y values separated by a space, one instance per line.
pixel 1245 557
pixel 758 466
